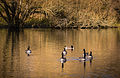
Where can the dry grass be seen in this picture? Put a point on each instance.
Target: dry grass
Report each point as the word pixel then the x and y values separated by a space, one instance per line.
pixel 79 12
pixel 83 12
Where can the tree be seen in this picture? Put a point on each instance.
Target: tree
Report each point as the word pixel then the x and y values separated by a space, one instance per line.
pixel 16 12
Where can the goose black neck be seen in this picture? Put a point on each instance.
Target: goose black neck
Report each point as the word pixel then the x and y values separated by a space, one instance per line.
pixel 62 55
pixel 84 53
pixel 28 48
pixel 90 53
pixel 64 49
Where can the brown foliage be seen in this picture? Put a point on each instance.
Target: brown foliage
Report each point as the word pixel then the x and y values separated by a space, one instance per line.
pixel 15 12
pixel 83 12
pixel 67 12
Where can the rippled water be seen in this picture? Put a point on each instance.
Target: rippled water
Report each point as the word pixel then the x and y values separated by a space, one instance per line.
pixel 47 45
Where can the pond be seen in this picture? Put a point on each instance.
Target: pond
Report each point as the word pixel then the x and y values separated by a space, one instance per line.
pixel 46 46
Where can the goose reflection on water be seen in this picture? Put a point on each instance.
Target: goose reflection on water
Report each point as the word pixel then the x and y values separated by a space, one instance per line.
pixel 84 62
pixel 63 65
pixel 86 57
pixel 64 60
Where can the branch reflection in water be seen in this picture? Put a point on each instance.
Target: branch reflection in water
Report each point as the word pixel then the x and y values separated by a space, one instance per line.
pixel 11 54
pixel 46 46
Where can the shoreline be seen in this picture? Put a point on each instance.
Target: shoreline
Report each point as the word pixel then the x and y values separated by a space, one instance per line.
pixel 56 27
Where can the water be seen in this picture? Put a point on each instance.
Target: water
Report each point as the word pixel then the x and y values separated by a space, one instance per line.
pixel 47 45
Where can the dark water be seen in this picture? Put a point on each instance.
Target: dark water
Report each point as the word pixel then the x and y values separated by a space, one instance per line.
pixel 47 45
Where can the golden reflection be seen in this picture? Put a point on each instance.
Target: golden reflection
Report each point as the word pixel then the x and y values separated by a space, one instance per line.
pixel 47 45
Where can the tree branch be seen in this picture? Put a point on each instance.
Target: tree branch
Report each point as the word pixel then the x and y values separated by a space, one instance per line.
pixel 2 6
pixel 6 9
pixel 3 17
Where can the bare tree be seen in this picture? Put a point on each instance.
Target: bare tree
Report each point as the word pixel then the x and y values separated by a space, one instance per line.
pixel 15 12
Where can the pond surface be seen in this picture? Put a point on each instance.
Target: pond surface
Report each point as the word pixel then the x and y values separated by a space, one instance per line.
pixel 47 45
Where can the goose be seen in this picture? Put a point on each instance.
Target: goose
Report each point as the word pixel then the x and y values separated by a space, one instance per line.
pixel 71 48
pixel 90 56
pixel 63 59
pixel 64 52
pixel 84 56
pixel 28 51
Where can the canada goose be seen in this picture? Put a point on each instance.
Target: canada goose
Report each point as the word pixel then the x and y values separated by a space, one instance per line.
pixel 28 51
pixel 90 56
pixel 86 57
pixel 84 54
pixel 64 52
pixel 62 59
pixel 70 48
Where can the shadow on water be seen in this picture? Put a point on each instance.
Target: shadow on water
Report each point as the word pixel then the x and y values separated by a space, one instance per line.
pixel 76 59
pixel 10 49
pixel 85 67
pixel 47 45
pixel 63 64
